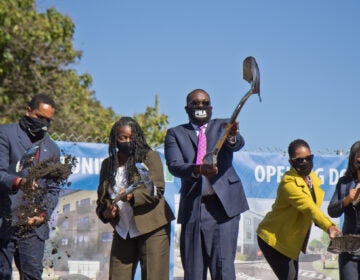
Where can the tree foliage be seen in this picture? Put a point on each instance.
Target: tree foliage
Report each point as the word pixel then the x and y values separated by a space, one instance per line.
pixel 37 56
pixel 153 124
pixel 316 244
pixel 324 239
pixel 36 53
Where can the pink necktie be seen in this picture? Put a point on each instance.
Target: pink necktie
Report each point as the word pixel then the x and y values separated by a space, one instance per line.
pixel 201 148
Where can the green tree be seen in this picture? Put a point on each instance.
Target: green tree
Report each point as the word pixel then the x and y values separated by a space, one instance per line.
pixel 37 55
pixel 153 124
pixel 316 244
pixel 325 239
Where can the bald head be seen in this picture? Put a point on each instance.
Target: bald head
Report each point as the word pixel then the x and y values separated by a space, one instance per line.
pixel 197 94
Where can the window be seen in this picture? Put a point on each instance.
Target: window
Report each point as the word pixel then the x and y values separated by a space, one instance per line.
pixel 82 238
pixel 83 203
pixel 65 224
pixel 66 208
pixel 84 220
pixel 64 241
pixel 106 237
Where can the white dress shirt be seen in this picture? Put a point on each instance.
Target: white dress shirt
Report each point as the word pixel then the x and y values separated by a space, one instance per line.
pixel 126 224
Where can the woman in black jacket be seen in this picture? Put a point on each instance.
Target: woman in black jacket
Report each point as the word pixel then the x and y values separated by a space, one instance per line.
pixel 345 200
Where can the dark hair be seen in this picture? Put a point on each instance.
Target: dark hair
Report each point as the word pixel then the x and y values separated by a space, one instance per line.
pixel 351 170
pixel 41 98
pixel 294 145
pixel 140 148
pixel 188 97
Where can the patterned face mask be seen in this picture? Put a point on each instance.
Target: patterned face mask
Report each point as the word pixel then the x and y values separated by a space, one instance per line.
pixel 36 128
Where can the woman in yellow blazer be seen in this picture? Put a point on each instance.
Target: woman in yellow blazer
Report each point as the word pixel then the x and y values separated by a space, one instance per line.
pixel 285 230
pixel 141 219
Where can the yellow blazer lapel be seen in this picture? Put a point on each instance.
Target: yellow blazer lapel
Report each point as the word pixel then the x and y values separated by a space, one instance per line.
pixel 301 183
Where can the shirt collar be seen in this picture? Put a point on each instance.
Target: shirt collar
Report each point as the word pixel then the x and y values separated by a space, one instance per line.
pixel 197 127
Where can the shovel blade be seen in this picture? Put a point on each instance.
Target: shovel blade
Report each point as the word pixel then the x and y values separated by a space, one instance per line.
pixel 251 73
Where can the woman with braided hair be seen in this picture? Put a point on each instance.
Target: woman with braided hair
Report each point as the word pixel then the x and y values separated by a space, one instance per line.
pixel 140 218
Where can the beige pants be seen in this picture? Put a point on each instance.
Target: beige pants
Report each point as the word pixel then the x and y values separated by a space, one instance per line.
pixel 151 249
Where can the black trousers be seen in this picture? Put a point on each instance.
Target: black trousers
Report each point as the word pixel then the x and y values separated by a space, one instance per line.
pixel 284 267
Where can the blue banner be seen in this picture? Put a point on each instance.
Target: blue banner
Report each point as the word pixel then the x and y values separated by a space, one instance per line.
pixel 260 173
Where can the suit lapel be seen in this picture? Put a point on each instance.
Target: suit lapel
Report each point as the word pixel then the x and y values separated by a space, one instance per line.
pixel 190 132
pixel 319 193
pixel 211 140
pixel 301 183
pixel 211 136
pixel 24 140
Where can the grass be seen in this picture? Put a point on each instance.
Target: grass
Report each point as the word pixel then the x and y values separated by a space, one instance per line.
pixel 240 257
pixel 331 268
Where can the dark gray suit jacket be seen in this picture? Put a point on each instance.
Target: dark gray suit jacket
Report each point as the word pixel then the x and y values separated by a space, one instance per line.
pixel 180 155
pixel 13 143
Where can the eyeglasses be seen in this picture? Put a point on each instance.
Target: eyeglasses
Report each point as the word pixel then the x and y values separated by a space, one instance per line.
pixel 196 103
pixel 300 160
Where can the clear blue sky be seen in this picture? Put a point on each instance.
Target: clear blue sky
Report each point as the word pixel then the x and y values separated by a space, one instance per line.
pixel 308 53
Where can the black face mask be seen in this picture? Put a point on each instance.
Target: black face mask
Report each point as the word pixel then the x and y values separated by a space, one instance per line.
pixel 357 165
pixel 125 147
pixel 199 115
pixel 303 169
pixel 34 127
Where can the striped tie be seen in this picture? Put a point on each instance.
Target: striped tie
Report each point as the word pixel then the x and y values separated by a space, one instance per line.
pixel 201 145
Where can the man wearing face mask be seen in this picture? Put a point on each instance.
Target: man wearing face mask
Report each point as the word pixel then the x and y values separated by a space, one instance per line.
pixel 284 231
pixel 211 196
pixel 23 235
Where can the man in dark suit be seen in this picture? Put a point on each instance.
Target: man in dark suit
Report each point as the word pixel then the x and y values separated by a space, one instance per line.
pixel 23 215
pixel 211 196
